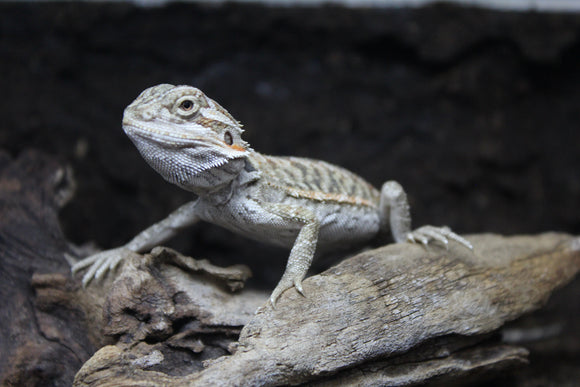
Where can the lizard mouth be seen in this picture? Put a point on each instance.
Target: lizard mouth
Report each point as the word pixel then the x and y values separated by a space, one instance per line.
pixel 141 135
pixel 155 134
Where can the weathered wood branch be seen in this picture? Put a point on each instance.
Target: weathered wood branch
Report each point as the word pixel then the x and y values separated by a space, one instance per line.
pixel 39 342
pixel 432 305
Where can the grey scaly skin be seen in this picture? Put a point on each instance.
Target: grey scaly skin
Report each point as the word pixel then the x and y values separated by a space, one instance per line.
pixel 298 203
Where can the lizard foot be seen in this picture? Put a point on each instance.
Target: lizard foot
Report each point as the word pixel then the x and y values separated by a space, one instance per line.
pixel 442 234
pixel 100 263
pixel 285 284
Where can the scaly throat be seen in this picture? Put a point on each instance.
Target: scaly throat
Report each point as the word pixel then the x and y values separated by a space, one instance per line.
pixel 199 169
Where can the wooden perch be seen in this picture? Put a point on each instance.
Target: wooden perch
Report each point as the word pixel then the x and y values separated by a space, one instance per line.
pixel 433 305
pixel 398 315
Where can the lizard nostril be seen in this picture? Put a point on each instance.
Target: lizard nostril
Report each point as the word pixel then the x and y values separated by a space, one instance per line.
pixel 147 115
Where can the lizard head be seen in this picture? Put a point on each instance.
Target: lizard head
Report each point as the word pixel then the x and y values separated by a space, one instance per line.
pixel 185 136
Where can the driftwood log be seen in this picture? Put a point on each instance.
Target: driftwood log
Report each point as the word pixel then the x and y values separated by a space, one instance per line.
pixel 401 314
pixel 436 307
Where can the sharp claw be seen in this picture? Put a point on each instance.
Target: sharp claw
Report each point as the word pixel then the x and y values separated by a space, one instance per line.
pixel 83 263
pixel 423 239
pixel 101 271
pixel 286 283
pixel 464 242
pixel 438 235
pixel 275 295
pixel 460 240
pixel 298 286
pixel 442 234
pixel 86 280
pixel 70 259
pixel 273 301
pixel 74 269
pixel 445 241
pixel 100 264
pixel 109 265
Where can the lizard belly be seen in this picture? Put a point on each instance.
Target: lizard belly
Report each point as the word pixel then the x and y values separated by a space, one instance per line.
pixel 340 225
pixel 345 226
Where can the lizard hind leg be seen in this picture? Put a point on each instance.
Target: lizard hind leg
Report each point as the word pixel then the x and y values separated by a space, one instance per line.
pixel 395 210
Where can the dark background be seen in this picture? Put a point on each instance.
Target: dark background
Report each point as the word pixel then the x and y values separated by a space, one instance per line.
pixel 475 112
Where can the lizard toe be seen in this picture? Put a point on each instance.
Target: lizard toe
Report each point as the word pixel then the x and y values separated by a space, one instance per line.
pixel 299 288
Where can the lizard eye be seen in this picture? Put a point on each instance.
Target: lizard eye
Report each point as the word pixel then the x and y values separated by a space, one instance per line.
pixel 186 106
pixel 228 138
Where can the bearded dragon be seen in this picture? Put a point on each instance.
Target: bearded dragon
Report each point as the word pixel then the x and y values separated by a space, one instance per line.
pixel 303 204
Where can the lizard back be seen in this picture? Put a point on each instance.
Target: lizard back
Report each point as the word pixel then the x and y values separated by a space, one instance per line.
pixel 314 180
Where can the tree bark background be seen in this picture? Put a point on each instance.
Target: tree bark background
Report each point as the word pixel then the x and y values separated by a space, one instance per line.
pixel 475 112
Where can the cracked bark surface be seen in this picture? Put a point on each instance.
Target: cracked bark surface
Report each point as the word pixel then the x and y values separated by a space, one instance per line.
pixel 434 307
pixel 33 334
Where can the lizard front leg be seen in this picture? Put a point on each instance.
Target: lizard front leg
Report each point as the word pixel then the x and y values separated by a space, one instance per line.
pixel 395 209
pixel 303 249
pixel 100 263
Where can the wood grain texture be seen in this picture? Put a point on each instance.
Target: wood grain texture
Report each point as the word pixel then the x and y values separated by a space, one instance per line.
pixel 369 309
pixel 35 346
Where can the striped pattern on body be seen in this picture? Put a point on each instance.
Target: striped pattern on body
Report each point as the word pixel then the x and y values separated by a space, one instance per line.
pixel 315 180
